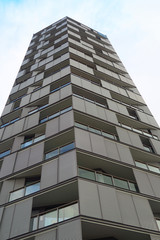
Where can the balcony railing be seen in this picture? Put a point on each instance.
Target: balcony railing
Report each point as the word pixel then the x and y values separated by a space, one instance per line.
pixel 54 216
pixel 32 141
pixel 97 131
pixel 3 154
pixel 60 150
pixel 55 114
pixel 29 189
pixel 147 167
pixel 107 179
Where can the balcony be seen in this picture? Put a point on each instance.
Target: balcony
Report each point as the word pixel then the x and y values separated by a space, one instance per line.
pixel 107 179
pixel 27 190
pixel 60 150
pixel 53 216
pixel 32 141
pixel 147 167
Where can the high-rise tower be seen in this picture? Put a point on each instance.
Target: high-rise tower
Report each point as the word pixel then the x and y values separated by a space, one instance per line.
pixel 79 150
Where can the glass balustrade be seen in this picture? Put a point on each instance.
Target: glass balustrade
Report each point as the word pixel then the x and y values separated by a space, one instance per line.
pixel 24 191
pixel 54 216
pixel 107 179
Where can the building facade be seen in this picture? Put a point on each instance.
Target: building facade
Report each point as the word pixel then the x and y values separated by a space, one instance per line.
pixel 79 150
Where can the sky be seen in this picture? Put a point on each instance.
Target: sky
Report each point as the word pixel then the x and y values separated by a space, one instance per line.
pixel 133 27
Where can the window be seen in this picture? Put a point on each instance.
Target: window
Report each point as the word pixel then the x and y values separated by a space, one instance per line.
pixel 86 174
pixel 54 216
pixel 146 144
pixel 31 139
pixel 132 113
pixel 61 150
pixel 107 179
pixel 26 190
pixel 3 154
pixel 121 183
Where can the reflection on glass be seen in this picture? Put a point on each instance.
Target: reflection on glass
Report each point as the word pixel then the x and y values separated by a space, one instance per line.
pixel 34 223
pixel 68 212
pixel 32 188
pixel 133 187
pixel 86 174
pixel 154 169
pixel 26 144
pixel 81 126
pixel 52 154
pixel 108 135
pixel 121 183
pixel 16 194
pixel 95 130
pixel 141 165
pixel 37 139
pixel 50 218
pixel 158 223
pixel 66 148
pixel 104 178
pixel 3 154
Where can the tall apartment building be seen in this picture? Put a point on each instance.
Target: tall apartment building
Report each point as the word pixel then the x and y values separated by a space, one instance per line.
pixel 79 150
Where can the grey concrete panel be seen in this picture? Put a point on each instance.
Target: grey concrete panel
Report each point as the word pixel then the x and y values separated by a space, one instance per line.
pixel 7 165
pixel 127 209
pixel 49 174
pixel 51 235
pixel 156 145
pixel 144 212
pixel 65 92
pixel 125 154
pixel 1 213
pixel 19 183
pixel 122 109
pixel 123 135
pixel 35 96
pixel 143 182
pixel 52 127
pixel 17 143
pixel 25 100
pixel 155 183
pixel 18 126
pixel 1 132
pixel 135 139
pixel 36 154
pixel 152 121
pixel 70 231
pixel 21 218
pixel 109 204
pixel 31 121
pixel 44 91
pixel 143 117
pixel 7 132
pixel 101 113
pixel 66 120
pixel 6 222
pixel 82 139
pixel 91 109
pixel 22 160
pixel 111 149
pixel 79 104
pixel 89 199
pixel 105 93
pixel 67 166
pixel 112 105
pixel 7 109
pixel 98 144
pixel 54 97
pixel 7 187
pixel 111 116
